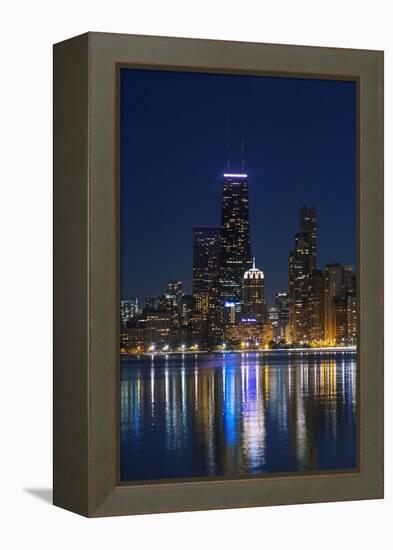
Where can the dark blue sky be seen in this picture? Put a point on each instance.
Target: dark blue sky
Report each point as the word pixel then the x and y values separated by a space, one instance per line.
pixel 300 148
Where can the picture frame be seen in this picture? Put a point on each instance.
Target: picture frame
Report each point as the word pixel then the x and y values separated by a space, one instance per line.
pixel 87 281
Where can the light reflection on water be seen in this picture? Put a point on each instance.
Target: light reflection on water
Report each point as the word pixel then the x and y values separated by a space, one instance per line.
pixel 237 414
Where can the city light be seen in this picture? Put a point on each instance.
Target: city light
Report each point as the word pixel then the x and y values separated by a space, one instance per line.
pixel 235 175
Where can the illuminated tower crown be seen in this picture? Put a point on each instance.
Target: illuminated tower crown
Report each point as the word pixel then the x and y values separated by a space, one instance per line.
pixel 253 273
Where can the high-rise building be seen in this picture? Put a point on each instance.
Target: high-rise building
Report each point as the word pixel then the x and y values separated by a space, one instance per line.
pixel 253 303
pixel 316 306
pixel 341 318
pixel 128 310
pixel 345 309
pixel 282 307
pixel 235 245
pixel 308 226
pixel 334 287
pixel 302 262
pixel 205 283
pixel 175 291
pixel 186 309
pixel 206 250
pixel 352 311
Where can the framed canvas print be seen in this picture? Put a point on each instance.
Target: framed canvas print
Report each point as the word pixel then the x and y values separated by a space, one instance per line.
pixel 218 274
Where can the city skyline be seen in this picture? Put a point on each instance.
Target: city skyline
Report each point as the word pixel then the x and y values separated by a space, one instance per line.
pixel 282 166
pixel 227 308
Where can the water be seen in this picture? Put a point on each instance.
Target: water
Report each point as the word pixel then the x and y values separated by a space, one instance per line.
pixel 237 414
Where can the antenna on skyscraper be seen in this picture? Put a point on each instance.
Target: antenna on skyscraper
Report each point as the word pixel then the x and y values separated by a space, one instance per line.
pixel 228 146
pixel 242 152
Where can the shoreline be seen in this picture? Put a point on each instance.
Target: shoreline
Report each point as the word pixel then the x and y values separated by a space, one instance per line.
pixel 288 351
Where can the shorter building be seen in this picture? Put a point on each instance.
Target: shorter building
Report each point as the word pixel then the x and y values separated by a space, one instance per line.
pixel 186 308
pixel 345 305
pixel 246 334
pixel 282 307
pixel 268 334
pixel 152 328
pixel 272 321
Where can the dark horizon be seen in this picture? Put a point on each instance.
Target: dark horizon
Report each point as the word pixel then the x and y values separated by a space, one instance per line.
pixel 298 133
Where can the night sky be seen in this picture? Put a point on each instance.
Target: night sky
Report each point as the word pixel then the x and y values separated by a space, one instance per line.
pixel 300 149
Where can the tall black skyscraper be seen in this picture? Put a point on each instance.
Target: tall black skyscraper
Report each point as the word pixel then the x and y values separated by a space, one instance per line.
pixel 235 246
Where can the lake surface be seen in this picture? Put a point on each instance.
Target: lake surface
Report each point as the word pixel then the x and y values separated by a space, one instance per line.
pixel 237 414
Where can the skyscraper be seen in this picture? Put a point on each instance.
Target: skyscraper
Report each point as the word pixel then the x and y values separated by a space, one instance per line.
pixel 302 262
pixel 316 306
pixel 206 250
pixel 253 306
pixel 235 245
pixel 334 285
pixel 205 282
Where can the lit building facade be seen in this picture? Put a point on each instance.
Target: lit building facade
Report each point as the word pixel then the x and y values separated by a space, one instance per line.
pixel 253 302
pixel 352 318
pixel 235 244
pixel 316 307
pixel 243 335
pixel 175 292
pixel 302 262
pixel 333 290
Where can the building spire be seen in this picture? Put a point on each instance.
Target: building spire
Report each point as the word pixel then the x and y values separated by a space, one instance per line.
pixel 253 263
pixel 242 153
